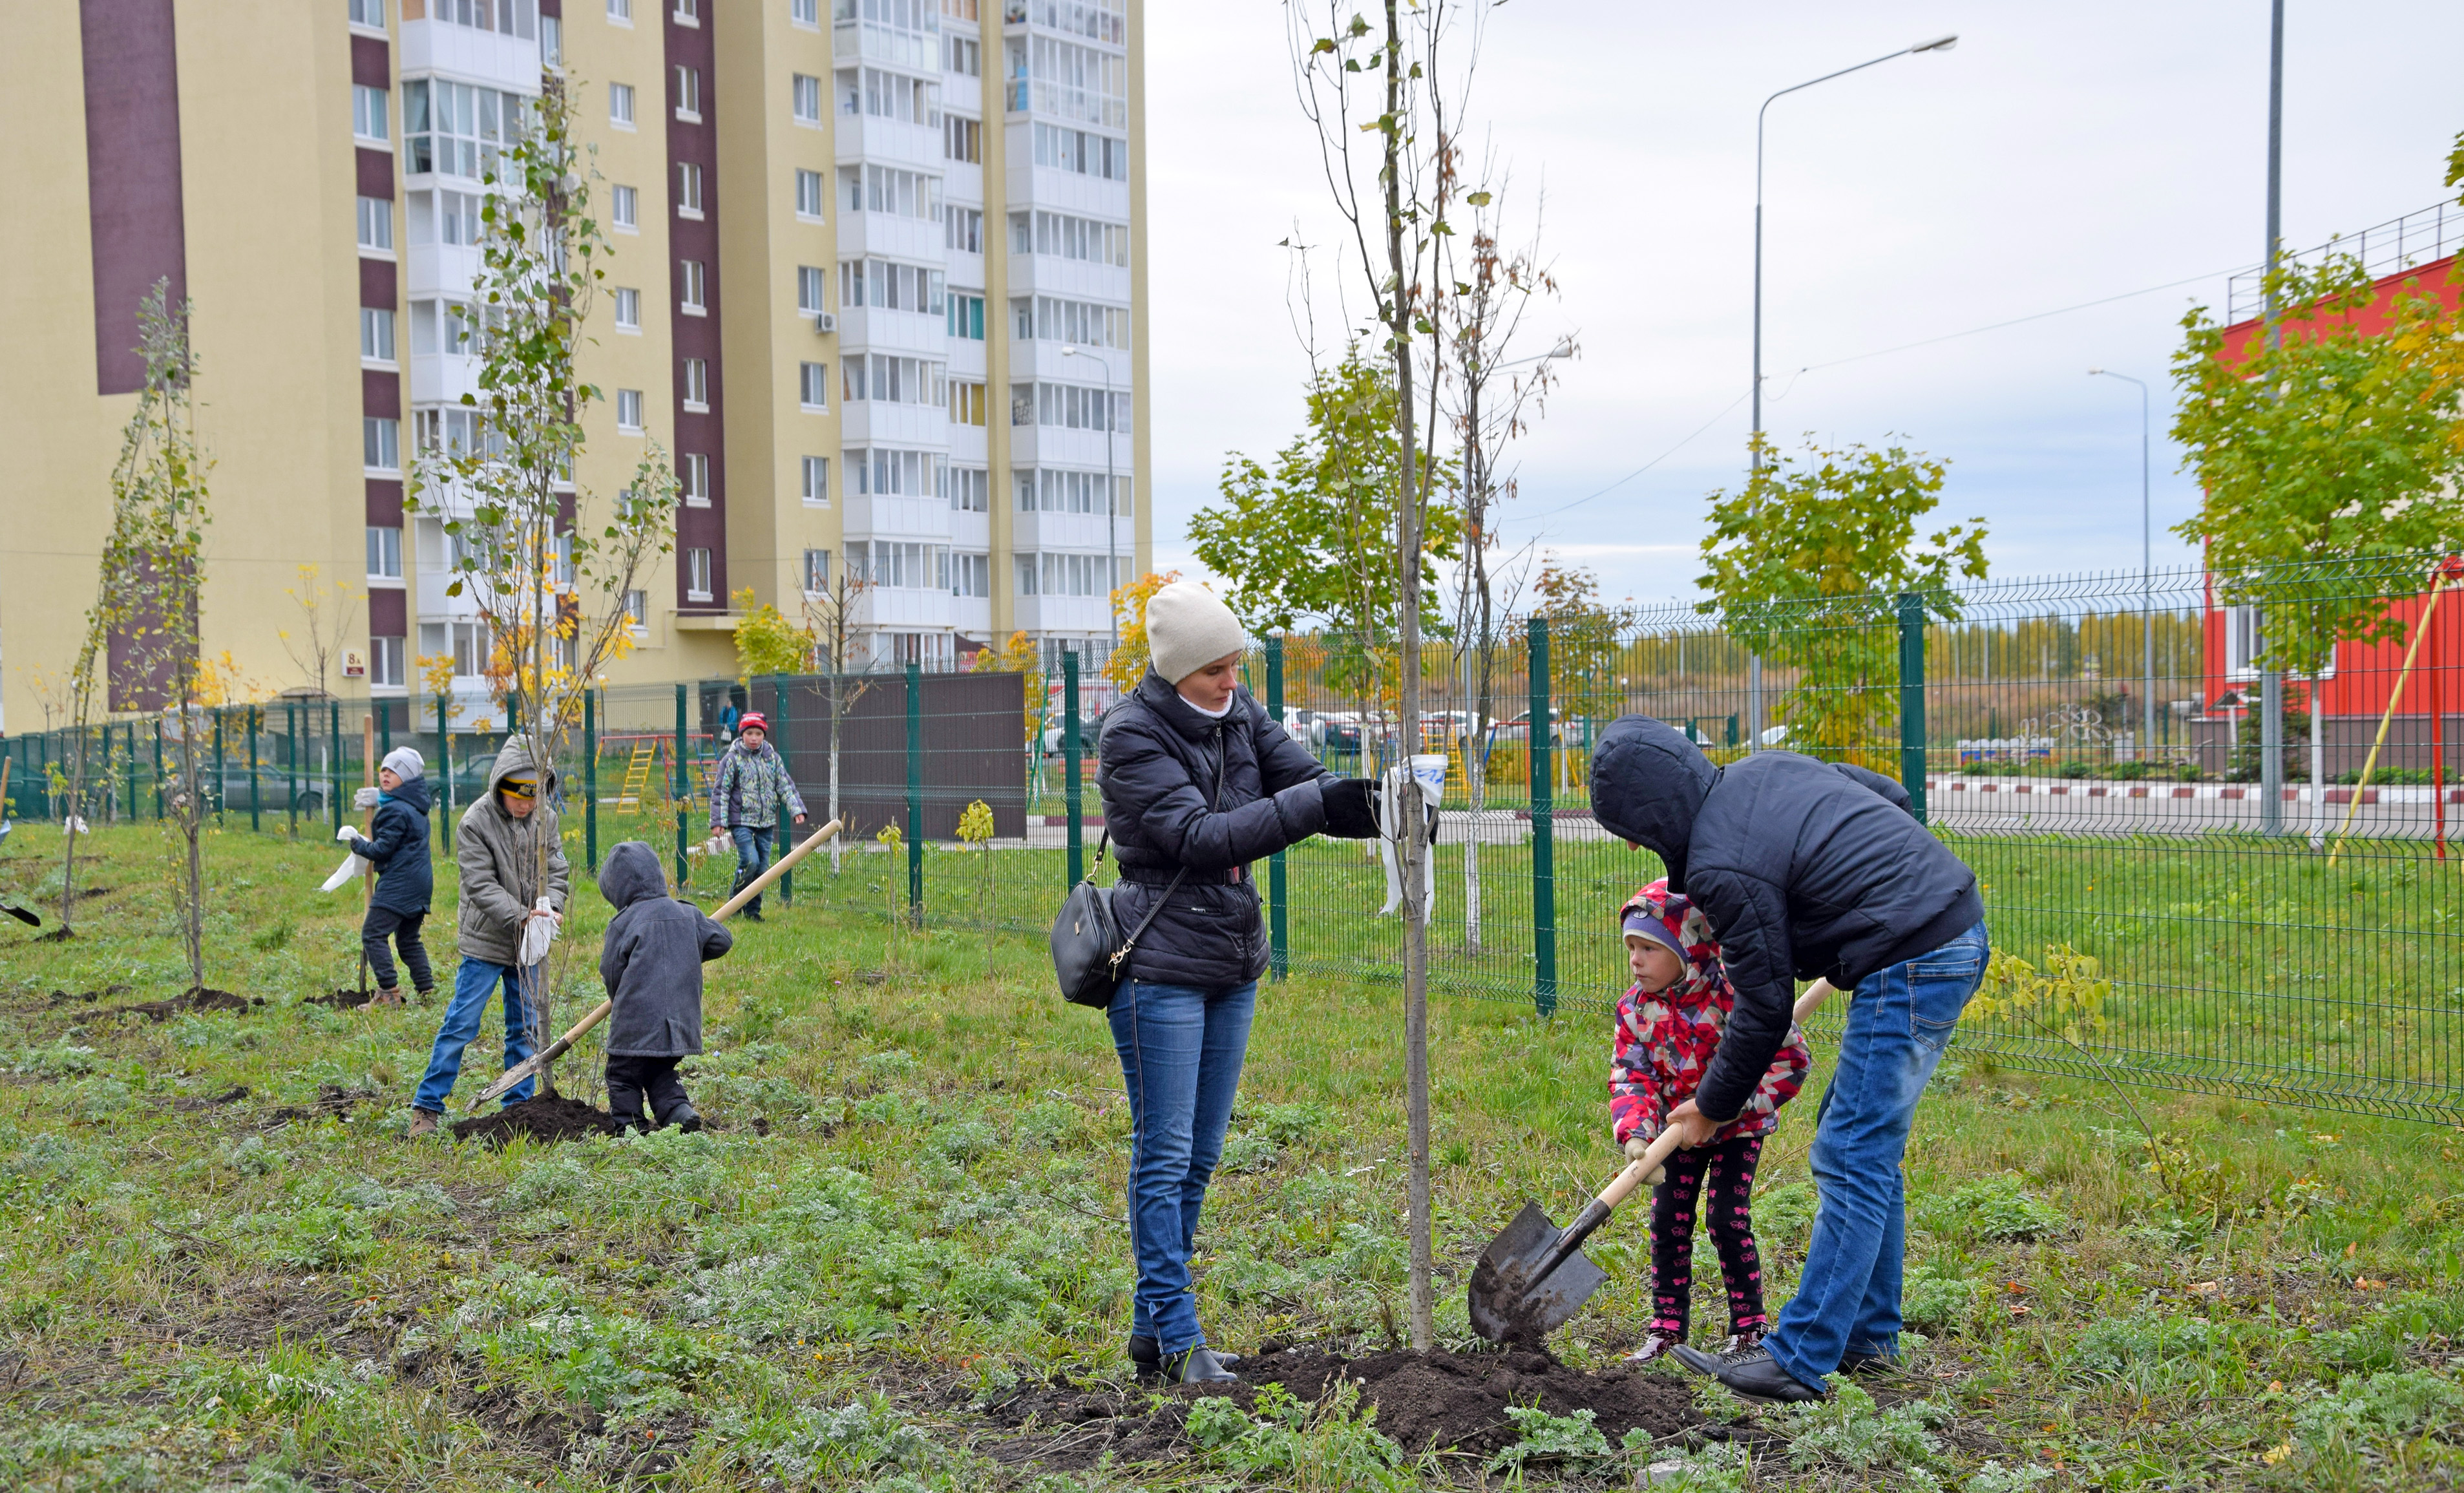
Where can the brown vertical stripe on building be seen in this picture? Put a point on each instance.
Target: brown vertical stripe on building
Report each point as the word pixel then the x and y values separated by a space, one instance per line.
pixel 381 393
pixel 698 337
pixel 377 283
pixel 555 8
pixel 370 65
pixel 384 502
pixel 376 173
pixel 388 612
pixel 132 174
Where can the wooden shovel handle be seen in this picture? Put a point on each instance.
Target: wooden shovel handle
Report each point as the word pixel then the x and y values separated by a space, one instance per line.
pixel 1638 1172
pixel 1811 1001
pixel 785 864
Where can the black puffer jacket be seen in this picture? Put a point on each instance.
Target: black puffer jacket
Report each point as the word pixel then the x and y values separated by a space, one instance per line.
pixel 1805 868
pixel 405 881
pixel 1159 778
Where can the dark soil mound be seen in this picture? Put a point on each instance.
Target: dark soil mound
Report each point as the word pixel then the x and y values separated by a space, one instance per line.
pixel 233 1095
pixel 333 1102
pixel 61 998
pixel 547 1121
pixel 344 998
pixel 196 997
pixel 1456 1401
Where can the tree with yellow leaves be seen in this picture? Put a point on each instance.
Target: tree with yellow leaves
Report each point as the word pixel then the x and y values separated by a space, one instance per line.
pixel 1128 664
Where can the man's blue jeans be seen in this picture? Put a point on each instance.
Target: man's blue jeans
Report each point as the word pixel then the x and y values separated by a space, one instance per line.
pixel 752 857
pixel 1182 1050
pixel 1899 1025
pixel 474 981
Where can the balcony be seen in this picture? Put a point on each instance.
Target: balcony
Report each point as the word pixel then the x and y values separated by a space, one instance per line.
pixel 918 52
pixel 870 329
pixel 895 518
pixel 873 422
pixel 1052 446
pixel 469 55
pixel 439 269
pixel 868 137
pixel 1052 363
pixel 438 379
pixel 914 240
pixel 1062 613
pixel 1050 275
pixel 1088 533
pixel 2392 247
pixel 899 608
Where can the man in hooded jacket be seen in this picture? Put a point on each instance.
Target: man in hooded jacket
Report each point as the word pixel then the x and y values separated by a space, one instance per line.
pixel 1807 869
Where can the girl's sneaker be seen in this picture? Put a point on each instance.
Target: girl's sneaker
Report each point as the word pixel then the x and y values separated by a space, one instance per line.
pixel 1656 1344
pixel 1742 1342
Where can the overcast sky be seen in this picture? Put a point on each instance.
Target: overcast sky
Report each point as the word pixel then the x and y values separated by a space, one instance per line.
pixel 2060 154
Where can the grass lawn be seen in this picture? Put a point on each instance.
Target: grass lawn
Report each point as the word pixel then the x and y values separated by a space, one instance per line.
pixel 908 1212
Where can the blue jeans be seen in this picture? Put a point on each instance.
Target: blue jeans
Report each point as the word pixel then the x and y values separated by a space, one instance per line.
pixel 1899 1025
pixel 473 983
pixel 752 857
pixel 1180 1051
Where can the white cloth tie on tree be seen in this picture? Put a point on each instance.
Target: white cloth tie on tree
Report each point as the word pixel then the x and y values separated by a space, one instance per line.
pixel 539 930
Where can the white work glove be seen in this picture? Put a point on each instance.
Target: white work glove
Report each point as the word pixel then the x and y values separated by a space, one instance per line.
pixel 364 799
pixel 347 834
pixel 539 930
pixel 352 868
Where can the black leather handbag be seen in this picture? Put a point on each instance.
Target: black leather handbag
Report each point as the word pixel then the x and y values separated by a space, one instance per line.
pixel 1089 956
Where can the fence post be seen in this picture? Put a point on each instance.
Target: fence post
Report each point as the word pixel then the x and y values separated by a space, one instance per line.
pixel 1543 861
pixel 291 767
pixel 590 780
pixel 220 786
pixel 185 723
pixel 132 772
pixel 684 790
pixel 1755 703
pixel 1279 945
pixel 1070 759
pixel 255 715
pixel 915 794
pixel 333 762
pixel 1912 701
pixel 779 739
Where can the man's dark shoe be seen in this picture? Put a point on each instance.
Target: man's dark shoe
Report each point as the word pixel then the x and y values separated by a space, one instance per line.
pixel 1868 1364
pixel 1751 1373
pixel 750 914
pixel 1146 1356
pixel 1196 1366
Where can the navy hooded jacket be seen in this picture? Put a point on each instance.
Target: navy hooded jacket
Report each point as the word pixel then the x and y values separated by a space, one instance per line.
pixel 650 959
pixel 399 852
pixel 1805 868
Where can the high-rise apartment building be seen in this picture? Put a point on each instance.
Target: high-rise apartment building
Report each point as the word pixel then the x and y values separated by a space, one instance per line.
pixel 877 287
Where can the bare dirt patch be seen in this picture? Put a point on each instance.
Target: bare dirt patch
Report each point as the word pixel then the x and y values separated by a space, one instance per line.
pixel 333 1102
pixel 195 998
pixel 547 1121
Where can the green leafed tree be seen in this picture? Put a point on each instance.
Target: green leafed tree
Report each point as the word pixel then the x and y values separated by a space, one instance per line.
pixel 1804 564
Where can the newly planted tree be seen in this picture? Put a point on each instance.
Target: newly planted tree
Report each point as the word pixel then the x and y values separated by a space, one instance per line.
pixel 547 562
pixel 830 621
pixel 328 616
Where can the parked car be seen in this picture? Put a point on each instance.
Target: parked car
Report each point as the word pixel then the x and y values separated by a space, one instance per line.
pixel 1090 732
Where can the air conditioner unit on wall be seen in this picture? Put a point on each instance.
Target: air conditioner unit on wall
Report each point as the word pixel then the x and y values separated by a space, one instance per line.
pixel 824 323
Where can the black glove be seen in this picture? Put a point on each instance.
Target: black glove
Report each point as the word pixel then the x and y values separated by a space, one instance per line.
pixel 1347 812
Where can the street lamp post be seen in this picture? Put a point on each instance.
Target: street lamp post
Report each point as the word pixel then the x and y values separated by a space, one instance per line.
pixel 2146 570
pixel 1938 44
pixel 1112 494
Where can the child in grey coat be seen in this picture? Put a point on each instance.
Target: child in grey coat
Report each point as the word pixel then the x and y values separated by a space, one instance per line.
pixel 650 962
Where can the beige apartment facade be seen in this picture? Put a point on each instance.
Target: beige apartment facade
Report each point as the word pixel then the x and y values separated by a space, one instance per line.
pixel 876 287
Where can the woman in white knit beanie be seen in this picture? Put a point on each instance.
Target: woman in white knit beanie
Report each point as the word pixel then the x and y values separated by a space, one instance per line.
pixel 1196 783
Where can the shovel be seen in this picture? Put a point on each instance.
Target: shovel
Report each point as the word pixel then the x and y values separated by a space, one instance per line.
pixel 1532 1278
pixel 599 1013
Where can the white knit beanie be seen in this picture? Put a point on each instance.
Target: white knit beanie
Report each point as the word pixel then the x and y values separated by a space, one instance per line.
pixel 405 763
pixel 1188 627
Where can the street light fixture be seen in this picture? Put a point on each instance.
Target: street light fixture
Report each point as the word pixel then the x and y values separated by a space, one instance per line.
pixel 1938 44
pixel 1112 494
pixel 2147 585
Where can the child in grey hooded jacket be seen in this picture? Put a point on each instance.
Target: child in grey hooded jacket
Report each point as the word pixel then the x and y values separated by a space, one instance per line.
pixel 650 962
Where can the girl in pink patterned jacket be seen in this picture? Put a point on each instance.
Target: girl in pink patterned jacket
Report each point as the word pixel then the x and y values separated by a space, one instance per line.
pixel 1667 1027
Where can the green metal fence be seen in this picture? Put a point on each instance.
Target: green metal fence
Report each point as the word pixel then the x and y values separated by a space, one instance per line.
pixel 2096 748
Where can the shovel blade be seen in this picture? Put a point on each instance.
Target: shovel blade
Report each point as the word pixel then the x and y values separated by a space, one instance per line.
pixel 1508 1304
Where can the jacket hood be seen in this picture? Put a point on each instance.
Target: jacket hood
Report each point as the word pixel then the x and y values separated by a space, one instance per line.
pixel 1701 979
pixel 514 757
pixel 1159 696
pixel 1647 784
pixel 412 795
pixel 631 875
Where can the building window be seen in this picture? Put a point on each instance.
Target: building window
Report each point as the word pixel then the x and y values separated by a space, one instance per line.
pixel 1067 238
pixel 899 565
pixel 637 609
pixel 804 12
pixel 1084 322
pixel 456 129
pixel 628 412
pixel 369 109
pixel 687 91
pixel 687 13
pixel 810 195
pixel 697 575
pixel 881 473
pixel 894 379
pixel 1052 491
pixel 970 490
pixel 551 42
pixel 962 139
pixel 688 190
pixel 890 96
pixel 959 10
pixel 446 217
pixel 967 317
pixel 810 284
pixel 369 14
pixel 456 432
pixel 817 481
pixel 807 96
pixel 962 54
pixel 1069 80
pixel 692 479
pixel 564 568
pixel 1082 152
pixel 964 229
pixel 629 310
pixel 621 11
pixel 376 224
pixel 817 570
pixel 1070 406
pixel 1066 575
pixel 695 385
pixel 971 575
pixel 689 287
pixel 380 444
pixel 460 334
pixel 966 403
pixel 890 286
pixel 883 189
pixel 376 335
pixel 620 105
pixel 624 209
pixel 813 386
pixel 512 17
pixel 384 663
pixel 385 552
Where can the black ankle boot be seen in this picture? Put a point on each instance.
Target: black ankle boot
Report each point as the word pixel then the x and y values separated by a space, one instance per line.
pixel 1196 1366
pixel 1146 1355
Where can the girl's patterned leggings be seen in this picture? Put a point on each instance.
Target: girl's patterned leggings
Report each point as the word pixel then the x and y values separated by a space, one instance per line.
pixel 1723 1175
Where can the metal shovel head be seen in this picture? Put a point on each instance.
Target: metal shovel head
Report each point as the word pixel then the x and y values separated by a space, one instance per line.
pixel 1508 1305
